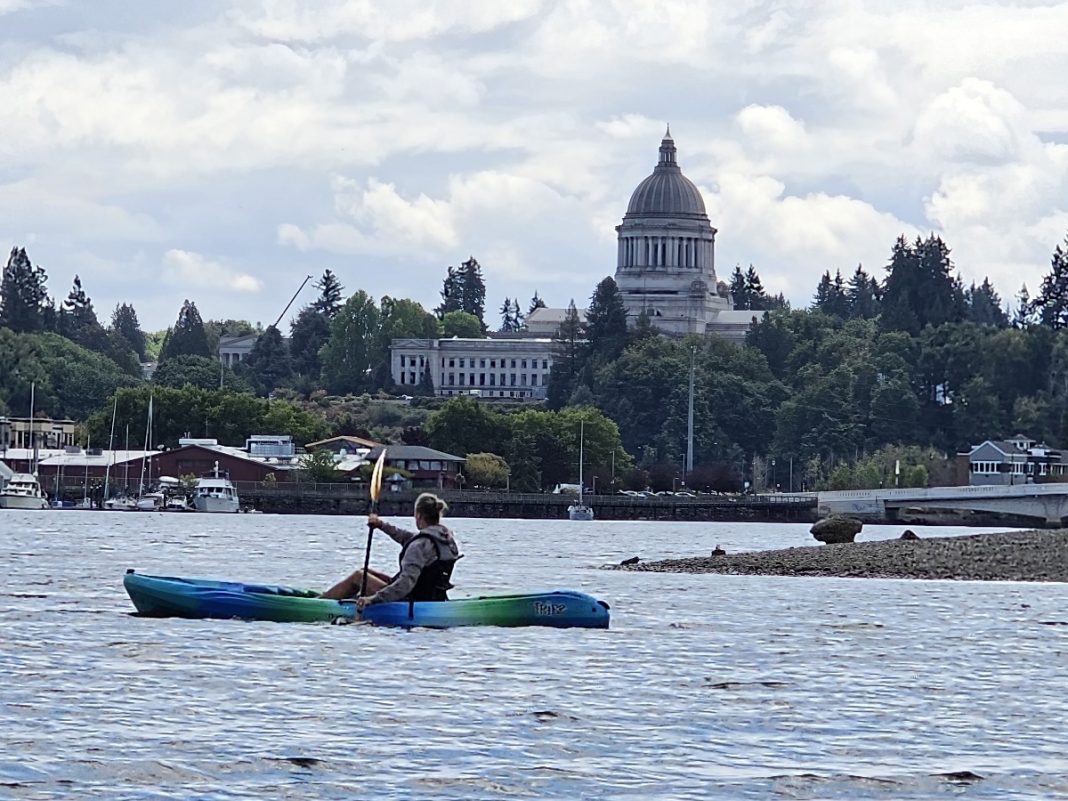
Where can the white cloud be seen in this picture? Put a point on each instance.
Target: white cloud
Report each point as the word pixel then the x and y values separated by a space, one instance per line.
pixel 771 127
pixel 186 269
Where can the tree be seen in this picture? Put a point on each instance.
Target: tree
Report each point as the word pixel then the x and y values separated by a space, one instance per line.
pixel 464 290
pixel 78 322
pixel 984 305
pixel 461 324
pixel 329 301
pixel 568 358
pixel 307 336
pixel 487 470
pixel 399 318
pixel 738 289
pixel 1052 300
pixel 831 298
pixel 125 324
pixel 24 302
pixel 346 357
pixel 1025 309
pixel 756 297
pixel 188 336
pixel 426 383
pixel 268 365
pixel 920 289
pixel 535 303
pixel 606 322
pixel 185 370
pixel 318 466
pixel 463 425
pixel 862 295
pixel 508 321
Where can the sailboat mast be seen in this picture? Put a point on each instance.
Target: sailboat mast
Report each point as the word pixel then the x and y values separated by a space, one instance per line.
pixel 581 443
pixel 689 419
pixel 144 453
pixel 85 481
pixel 33 439
pixel 111 447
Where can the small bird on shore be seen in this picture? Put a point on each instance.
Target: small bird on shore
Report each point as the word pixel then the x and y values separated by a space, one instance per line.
pixel 719 551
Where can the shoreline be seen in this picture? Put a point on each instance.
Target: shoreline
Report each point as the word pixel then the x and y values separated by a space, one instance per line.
pixel 1034 555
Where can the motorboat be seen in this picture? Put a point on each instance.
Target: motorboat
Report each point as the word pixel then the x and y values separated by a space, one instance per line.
pixel 151 502
pixel 120 503
pixel 23 491
pixel 215 493
pixel 177 503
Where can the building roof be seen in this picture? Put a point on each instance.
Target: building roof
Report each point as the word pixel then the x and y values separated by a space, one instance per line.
pixel 413 452
pixel 667 192
pixel 544 316
pixel 347 439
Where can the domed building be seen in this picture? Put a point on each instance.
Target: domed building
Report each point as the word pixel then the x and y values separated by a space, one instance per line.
pixel 666 261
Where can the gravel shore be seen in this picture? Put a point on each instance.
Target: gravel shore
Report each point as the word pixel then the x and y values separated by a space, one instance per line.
pixel 1011 556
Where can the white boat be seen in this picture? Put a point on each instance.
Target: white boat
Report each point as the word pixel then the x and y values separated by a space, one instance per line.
pixel 121 503
pixel 151 502
pixel 215 493
pixel 580 511
pixel 177 503
pixel 23 491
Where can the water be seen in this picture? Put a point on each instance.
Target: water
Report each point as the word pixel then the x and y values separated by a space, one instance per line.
pixel 705 687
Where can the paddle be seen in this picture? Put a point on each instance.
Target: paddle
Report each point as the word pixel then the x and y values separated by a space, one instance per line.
pixel 376 491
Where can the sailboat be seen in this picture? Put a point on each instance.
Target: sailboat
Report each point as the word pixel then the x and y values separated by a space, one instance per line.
pixel 580 511
pixel 148 501
pixel 23 490
pixel 122 502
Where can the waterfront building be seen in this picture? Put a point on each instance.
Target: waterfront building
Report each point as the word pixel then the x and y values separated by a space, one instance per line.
pixel 1017 460
pixel 234 350
pixel 515 368
pixel 47 434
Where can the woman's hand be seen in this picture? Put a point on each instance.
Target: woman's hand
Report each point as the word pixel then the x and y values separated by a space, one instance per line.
pixel 374 521
pixel 361 603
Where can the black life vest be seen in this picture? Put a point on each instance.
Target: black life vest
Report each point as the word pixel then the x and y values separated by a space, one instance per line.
pixel 434 580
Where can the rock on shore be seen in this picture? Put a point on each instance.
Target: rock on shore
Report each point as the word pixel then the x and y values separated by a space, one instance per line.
pixel 1011 556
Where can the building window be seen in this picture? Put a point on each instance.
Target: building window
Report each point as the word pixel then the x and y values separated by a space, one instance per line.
pixel 534 379
pixel 482 363
pixel 452 362
pixel 524 364
pixel 513 364
pixel 472 377
pixel 493 379
pixel 493 363
pixel 452 379
pixel 411 378
pixel 461 379
pixel 513 379
pixel 544 364
pixel 461 362
pixel 482 378
pixel 523 379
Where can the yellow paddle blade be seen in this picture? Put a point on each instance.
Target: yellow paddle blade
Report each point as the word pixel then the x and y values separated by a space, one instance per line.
pixel 376 476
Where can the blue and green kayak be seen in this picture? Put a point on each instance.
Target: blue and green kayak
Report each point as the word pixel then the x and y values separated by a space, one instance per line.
pixel 171 596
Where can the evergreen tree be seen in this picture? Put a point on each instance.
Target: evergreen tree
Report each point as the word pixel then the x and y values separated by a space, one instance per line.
pixel 188 336
pixel 1052 300
pixel 307 335
pixel 606 322
pixel 535 303
pixel 426 383
pixel 329 301
pixel 268 365
pixel 508 323
pixel 125 324
pixel 739 289
pixel 831 296
pixel 78 323
pixel 1025 309
pixel 756 297
pixel 920 289
pixel 567 359
pixel 984 305
pixel 862 295
pixel 518 317
pixel 24 302
pixel 464 290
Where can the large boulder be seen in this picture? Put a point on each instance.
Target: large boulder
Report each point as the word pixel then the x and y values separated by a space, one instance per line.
pixel 836 528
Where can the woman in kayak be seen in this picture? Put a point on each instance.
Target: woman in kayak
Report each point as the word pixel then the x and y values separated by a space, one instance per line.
pixel 426 561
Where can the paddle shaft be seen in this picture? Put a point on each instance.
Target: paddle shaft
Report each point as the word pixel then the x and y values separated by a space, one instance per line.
pixel 367 551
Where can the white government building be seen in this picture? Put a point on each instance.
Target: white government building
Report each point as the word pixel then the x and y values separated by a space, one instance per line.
pixel 665 267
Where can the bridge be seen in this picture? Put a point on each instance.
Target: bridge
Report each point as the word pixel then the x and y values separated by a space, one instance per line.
pixel 1045 502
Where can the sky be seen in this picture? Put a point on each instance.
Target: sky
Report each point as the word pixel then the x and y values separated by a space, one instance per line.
pixel 222 151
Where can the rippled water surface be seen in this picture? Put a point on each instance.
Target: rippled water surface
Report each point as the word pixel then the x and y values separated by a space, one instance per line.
pixel 705 687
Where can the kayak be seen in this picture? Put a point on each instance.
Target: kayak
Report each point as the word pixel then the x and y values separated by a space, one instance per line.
pixel 172 596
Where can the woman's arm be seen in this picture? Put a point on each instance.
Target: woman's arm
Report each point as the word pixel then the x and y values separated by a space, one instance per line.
pixel 398 534
pixel 417 557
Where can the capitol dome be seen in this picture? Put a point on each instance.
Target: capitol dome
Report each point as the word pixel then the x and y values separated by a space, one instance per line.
pixel 667 192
